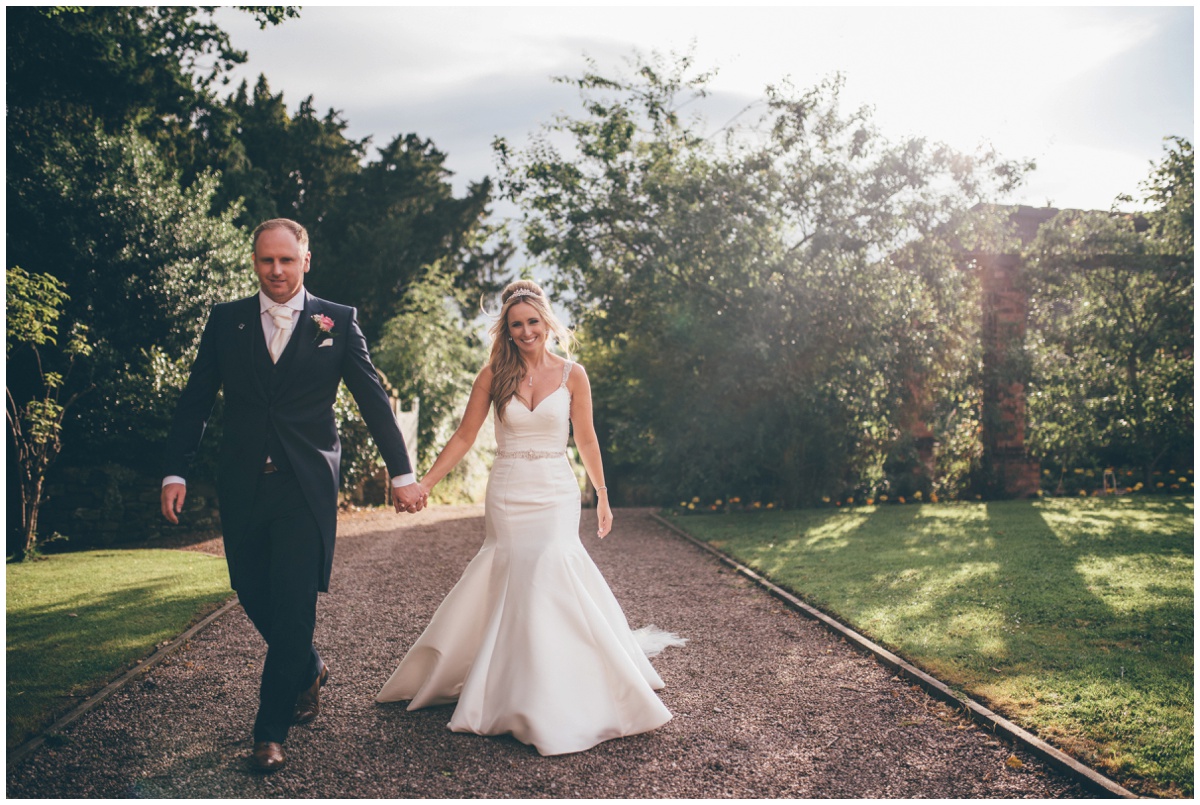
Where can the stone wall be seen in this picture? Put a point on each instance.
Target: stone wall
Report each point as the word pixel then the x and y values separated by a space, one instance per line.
pixel 111 504
pixel 1005 305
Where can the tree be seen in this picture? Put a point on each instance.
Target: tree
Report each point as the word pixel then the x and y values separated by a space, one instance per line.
pixel 756 300
pixel 399 217
pixel 144 259
pixel 294 166
pixel 33 304
pixel 1112 320
pixel 155 68
pixel 432 353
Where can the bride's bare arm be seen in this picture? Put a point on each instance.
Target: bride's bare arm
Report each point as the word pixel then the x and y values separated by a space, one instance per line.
pixel 588 444
pixel 468 429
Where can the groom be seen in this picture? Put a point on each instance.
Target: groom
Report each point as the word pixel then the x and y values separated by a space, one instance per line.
pixel 280 355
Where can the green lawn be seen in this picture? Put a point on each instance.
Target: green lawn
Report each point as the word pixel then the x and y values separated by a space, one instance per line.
pixel 1073 618
pixel 77 620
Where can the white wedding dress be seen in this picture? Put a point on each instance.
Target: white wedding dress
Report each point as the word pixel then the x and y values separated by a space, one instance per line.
pixel 531 640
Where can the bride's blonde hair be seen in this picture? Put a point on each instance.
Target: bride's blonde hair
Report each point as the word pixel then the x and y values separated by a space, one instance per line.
pixel 506 362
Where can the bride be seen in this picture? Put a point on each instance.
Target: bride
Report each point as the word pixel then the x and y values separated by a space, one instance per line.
pixel 531 641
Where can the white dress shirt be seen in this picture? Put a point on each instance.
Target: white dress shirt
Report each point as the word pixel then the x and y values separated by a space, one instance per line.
pixel 296 303
pixel 265 303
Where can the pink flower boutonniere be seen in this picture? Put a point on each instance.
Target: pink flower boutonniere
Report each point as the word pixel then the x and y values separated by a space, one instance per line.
pixel 324 326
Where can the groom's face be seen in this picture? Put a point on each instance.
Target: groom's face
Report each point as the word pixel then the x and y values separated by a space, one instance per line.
pixel 280 264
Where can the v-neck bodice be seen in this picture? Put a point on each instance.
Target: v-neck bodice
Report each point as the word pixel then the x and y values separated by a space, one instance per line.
pixel 541 430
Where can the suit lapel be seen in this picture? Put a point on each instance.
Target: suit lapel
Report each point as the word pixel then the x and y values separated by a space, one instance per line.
pixel 249 344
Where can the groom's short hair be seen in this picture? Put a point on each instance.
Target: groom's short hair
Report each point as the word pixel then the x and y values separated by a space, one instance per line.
pixel 281 223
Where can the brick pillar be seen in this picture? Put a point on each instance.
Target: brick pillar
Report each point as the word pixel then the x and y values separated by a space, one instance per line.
pixel 1005 306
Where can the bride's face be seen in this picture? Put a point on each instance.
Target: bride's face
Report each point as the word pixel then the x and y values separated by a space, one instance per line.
pixel 526 327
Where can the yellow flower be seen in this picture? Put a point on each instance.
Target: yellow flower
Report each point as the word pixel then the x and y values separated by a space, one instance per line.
pixel 1078 471
pixel 770 505
pixel 1137 487
pixel 883 497
pixel 691 505
pixel 683 503
pixel 757 505
pixel 1082 493
pixel 717 503
pixel 1045 472
pixel 1183 480
pixel 917 495
pixel 695 500
pixel 825 499
pixel 735 500
pixel 1159 484
pixel 849 501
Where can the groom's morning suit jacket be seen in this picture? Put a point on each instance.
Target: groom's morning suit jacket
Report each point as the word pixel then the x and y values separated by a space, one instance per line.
pixel 282 409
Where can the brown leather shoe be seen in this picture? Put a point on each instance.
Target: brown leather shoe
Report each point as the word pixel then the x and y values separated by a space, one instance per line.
pixel 267 756
pixel 308 704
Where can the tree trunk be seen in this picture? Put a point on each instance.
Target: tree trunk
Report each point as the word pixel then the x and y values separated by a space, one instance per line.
pixel 31 513
pixel 31 500
pixel 28 536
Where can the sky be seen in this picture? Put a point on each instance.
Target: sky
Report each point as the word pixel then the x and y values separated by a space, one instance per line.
pixel 1087 92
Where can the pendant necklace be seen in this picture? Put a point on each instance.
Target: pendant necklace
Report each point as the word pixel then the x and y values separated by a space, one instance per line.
pixel 530 376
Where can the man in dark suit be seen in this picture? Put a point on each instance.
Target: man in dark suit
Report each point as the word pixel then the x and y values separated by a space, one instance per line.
pixel 279 356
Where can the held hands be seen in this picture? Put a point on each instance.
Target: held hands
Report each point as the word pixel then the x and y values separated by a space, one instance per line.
pixel 411 498
pixel 172 498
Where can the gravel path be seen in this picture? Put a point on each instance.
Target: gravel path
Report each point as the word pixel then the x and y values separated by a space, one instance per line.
pixel 766 703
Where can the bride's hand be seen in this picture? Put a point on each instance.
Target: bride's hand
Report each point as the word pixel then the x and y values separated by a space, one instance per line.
pixel 604 516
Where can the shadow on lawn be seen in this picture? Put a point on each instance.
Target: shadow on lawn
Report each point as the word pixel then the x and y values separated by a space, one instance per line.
pixel 1094 570
pixel 58 654
pixel 1075 617
pixel 90 623
pixel 1080 618
pixel 1007 563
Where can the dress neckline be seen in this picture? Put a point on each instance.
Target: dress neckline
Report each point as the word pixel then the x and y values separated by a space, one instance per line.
pixel 562 385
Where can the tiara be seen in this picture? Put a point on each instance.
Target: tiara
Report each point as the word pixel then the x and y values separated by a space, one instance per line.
pixel 523 292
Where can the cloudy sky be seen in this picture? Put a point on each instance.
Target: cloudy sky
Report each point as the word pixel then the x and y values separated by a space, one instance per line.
pixel 1087 92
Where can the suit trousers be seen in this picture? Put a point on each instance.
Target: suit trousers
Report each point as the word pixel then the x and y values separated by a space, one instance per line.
pixel 281 557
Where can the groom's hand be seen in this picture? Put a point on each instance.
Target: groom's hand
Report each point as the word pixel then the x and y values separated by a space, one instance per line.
pixel 172 497
pixel 409 498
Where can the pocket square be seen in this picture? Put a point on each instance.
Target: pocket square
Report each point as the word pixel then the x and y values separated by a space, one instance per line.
pixel 328 342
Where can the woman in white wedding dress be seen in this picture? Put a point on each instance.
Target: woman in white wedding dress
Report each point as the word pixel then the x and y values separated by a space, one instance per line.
pixel 531 641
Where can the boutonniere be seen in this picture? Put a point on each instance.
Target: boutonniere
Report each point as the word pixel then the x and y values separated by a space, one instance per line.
pixel 324 326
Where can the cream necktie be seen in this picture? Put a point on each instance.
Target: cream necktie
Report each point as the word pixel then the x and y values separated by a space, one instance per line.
pixel 282 316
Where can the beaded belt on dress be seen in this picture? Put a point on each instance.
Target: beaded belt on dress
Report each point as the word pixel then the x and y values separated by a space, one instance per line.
pixel 530 454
